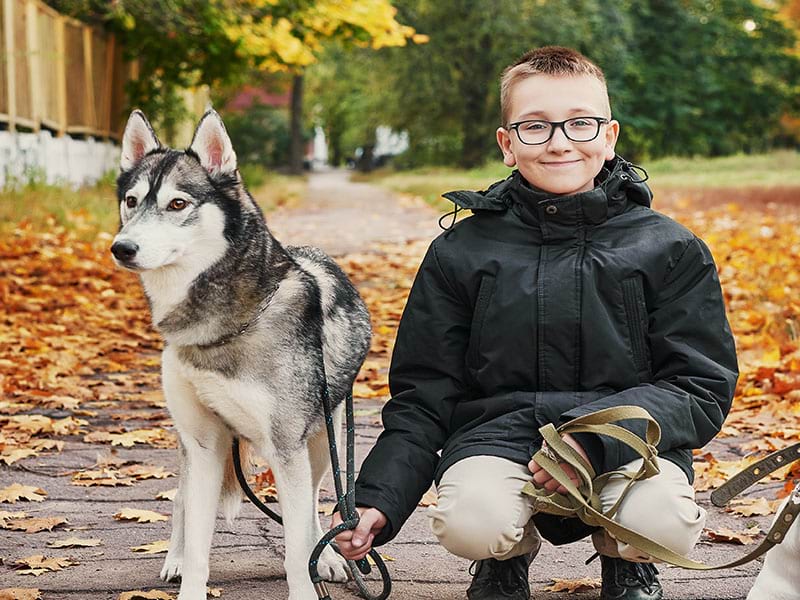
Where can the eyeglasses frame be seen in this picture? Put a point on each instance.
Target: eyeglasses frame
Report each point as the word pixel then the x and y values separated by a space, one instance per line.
pixel 557 125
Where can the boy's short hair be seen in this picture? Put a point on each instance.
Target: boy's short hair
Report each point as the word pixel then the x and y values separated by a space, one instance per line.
pixel 548 60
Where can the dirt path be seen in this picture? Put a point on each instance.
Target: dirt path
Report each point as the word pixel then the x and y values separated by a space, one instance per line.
pixel 351 217
pixel 247 558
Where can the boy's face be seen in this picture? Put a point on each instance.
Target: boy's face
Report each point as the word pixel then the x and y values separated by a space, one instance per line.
pixel 559 166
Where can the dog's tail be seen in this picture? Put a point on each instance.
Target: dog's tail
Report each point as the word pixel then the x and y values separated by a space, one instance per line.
pixel 231 496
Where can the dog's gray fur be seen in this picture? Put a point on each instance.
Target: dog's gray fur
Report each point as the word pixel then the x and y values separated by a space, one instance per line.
pixel 253 332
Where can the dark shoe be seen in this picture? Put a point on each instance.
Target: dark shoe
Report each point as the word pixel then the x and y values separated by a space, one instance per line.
pixel 624 580
pixel 500 579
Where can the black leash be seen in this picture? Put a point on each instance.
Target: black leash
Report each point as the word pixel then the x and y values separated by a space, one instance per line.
pixel 346 506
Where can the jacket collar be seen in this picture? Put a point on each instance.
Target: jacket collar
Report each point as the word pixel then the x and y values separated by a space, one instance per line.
pixel 617 184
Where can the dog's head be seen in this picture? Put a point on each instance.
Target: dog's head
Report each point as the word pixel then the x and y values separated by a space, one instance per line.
pixel 175 206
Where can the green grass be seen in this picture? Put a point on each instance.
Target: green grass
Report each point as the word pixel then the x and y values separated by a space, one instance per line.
pixel 780 168
pixel 93 209
pixel 87 211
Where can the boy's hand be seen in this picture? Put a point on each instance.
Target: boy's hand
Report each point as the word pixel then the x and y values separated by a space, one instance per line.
pixel 356 543
pixel 543 479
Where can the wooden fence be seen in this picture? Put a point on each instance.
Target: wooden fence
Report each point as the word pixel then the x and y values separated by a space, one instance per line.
pixel 59 73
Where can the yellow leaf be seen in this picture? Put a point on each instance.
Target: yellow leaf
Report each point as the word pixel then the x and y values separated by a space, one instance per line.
pixel 153 547
pixel 729 536
pixel 33 524
pixel 40 564
pixel 749 507
pixel 17 491
pixel 20 594
pixel 12 456
pixel 151 595
pixel 430 498
pixel 140 516
pixel 74 542
pixel 573 585
pixel 167 495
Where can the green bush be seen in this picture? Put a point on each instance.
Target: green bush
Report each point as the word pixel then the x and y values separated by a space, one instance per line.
pixel 260 136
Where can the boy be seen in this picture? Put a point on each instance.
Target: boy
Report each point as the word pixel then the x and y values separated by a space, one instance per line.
pixel 562 295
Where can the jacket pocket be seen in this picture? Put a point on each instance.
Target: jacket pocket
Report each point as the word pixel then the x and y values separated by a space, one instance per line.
pixel 636 314
pixel 485 292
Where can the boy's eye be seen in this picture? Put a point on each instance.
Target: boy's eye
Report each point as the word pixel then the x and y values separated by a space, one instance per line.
pixel 580 123
pixel 130 202
pixel 534 126
pixel 177 204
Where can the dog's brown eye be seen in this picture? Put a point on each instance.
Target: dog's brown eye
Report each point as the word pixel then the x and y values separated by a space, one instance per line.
pixel 130 202
pixel 177 204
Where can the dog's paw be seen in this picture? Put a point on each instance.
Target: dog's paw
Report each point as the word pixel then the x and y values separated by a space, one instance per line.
pixel 332 566
pixel 171 571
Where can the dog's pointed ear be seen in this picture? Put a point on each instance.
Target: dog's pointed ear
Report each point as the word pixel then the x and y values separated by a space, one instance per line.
pixel 212 145
pixel 138 139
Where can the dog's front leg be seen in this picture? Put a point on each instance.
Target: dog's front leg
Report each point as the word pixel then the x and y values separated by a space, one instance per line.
pixel 295 495
pixel 173 564
pixel 205 443
pixel 201 489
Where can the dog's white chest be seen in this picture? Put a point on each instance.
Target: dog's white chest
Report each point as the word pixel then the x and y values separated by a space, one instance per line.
pixel 247 407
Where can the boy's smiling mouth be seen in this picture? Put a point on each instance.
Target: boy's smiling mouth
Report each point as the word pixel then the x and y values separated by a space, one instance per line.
pixel 560 163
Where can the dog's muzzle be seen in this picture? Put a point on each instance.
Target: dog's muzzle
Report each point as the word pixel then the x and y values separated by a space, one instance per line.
pixel 124 251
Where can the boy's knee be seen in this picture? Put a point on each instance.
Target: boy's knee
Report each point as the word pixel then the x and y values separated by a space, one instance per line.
pixel 673 521
pixel 474 529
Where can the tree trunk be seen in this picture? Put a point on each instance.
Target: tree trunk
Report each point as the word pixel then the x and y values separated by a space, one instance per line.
pixel 476 78
pixel 296 127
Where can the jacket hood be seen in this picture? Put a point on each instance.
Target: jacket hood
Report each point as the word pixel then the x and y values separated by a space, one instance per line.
pixel 618 181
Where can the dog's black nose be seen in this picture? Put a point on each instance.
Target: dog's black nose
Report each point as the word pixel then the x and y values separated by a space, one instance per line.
pixel 124 250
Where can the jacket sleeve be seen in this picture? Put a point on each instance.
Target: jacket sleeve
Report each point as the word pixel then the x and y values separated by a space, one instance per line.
pixel 694 364
pixel 426 380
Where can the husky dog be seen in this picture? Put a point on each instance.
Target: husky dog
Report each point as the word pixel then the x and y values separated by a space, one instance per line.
pixel 779 578
pixel 253 332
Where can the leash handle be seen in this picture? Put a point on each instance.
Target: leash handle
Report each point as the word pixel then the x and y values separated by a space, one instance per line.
pixel 583 502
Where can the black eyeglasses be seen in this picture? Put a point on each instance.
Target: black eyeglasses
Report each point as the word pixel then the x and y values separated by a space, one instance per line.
pixel 577 129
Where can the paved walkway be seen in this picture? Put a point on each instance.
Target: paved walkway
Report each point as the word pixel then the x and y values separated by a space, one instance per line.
pixel 246 559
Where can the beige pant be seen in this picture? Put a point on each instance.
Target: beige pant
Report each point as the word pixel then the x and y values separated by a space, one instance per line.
pixel 481 512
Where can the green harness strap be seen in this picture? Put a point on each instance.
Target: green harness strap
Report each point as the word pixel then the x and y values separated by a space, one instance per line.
pixel 583 501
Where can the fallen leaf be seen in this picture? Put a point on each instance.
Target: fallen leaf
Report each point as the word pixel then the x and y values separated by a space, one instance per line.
pixel 151 595
pixel 5 515
pixel 20 594
pixel 17 491
pixel 103 477
pixel 430 498
pixel 74 542
pixel 385 557
pixel 146 472
pixel 167 495
pixel 728 536
pixel 33 525
pixel 153 547
pixel 573 585
pixel 40 564
pixel 326 508
pixel 749 507
pixel 11 456
pixel 140 516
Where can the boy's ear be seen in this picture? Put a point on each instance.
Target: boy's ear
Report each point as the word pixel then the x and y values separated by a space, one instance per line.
pixel 612 134
pixel 504 141
pixel 212 145
pixel 138 139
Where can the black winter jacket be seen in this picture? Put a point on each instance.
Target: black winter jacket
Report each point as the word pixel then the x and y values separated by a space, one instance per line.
pixel 539 309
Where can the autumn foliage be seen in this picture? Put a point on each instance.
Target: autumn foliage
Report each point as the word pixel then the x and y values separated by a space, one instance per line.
pixel 79 359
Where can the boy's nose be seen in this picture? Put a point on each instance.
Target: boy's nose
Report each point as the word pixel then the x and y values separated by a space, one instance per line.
pixel 559 139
